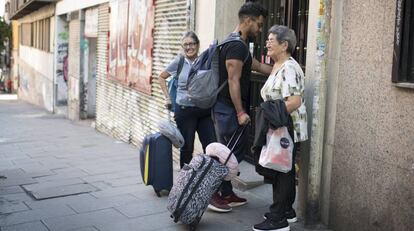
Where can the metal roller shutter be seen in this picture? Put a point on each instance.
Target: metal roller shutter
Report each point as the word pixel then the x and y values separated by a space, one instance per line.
pixel 127 114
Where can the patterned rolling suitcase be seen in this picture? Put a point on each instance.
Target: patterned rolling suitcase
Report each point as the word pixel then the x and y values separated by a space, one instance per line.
pixel 156 162
pixel 196 183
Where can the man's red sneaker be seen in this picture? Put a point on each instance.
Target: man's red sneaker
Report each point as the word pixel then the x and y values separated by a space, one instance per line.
pixel 234 201
pixel 217 204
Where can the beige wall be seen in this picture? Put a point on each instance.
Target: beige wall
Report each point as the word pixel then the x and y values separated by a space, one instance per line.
pixel 215 19
pixel 34 67
pixel 372 181
pixel 74 68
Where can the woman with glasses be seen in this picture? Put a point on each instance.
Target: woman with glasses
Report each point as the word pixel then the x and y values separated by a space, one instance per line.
pixel 189 119
pixel 286 82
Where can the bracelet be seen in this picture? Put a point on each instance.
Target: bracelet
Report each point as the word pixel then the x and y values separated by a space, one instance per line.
pixel 240 113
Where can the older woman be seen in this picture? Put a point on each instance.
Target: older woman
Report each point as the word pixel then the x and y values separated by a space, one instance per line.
pixel 285 82
pixel 189 118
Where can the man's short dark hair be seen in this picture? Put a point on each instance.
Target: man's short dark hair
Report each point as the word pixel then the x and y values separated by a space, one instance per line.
pixel 252 9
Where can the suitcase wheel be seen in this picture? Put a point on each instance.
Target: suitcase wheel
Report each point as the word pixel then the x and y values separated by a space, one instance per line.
pixel 192 228
pixel 193 225
pixel 158 193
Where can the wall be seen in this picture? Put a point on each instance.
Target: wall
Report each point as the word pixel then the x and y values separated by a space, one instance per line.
pixel 35 67
pixel 74 70
pixel 36 77
pixel 204 25
pixel 218 27
pixel 14 56
pixel 372 186
pixel 226 17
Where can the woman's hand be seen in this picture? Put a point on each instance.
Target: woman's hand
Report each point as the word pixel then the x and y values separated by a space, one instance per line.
pixel 161 79
pixel 292 103
pixel 168 103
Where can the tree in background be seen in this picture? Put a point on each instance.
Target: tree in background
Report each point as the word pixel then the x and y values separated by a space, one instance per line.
pixel 5 33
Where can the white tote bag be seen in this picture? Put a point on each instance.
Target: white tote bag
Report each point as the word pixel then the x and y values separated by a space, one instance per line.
pixel 277 153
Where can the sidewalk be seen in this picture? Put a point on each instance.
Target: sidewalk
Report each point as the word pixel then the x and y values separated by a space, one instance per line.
pixel 60 175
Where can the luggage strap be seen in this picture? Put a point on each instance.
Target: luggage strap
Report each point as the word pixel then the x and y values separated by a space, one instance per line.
pixel 178 213
pixel 235 143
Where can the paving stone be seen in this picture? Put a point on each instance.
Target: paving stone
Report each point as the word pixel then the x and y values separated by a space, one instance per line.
pixel 34 215
pixel 10 190
pixel 101 169
pixel 31 226
pixel 102 203
pixel 97 218
pixel 85 229
pixel 108 176
pixel 6 165
pixel 16 181
pixel 15 177
pixel 52 184
pixel 15 197
pixel 7 207
pixel 117 191
pixel 125 181
pixel 145 193
pixel 40 173
pixel 62 174
pixel 24 161
pixel 101 185
pixel 64 190
pixel 59 201
pixel 144 208
pixel 151 222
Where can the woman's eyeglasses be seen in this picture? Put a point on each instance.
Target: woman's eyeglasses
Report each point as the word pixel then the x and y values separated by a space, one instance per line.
pixel 192 45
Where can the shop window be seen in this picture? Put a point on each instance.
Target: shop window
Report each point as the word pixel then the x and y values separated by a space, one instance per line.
pixel 403 60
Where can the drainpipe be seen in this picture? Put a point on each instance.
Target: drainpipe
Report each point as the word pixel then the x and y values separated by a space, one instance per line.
pixel 318 33
pixel 54 82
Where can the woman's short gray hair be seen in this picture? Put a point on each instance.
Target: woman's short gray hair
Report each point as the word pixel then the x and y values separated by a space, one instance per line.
pixel 191 34
pixel 284 34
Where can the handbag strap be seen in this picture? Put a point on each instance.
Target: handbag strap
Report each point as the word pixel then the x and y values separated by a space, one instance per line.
pixel 180 66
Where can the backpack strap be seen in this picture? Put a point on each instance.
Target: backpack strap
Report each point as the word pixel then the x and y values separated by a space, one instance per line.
pixel 180 66
pixel 235 39
pixel 232 39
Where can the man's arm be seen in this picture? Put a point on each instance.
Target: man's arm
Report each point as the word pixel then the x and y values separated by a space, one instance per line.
pixel 261 67
pixel 234 70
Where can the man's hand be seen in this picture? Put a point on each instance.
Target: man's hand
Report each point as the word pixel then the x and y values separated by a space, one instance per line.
pixel 243 119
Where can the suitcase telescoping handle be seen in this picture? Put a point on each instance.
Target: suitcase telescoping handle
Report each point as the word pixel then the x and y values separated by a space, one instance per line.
pixel 243 128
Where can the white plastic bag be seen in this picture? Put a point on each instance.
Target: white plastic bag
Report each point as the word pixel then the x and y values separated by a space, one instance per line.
pixel 277 153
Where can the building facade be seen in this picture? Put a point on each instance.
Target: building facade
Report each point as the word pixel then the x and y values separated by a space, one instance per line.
pixel 33 57
pixel 357 169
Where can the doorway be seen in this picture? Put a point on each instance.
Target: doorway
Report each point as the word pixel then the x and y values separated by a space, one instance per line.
pixel 291 13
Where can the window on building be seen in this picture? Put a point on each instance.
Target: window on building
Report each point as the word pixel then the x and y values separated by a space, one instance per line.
pixel 403 60
pixel 36 34
pixel 26 34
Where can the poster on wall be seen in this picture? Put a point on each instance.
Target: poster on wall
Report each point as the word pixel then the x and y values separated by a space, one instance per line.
pixel 141 24
pixel 118 38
